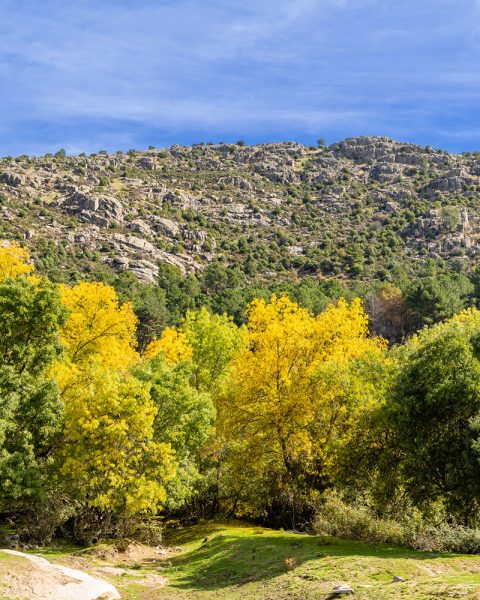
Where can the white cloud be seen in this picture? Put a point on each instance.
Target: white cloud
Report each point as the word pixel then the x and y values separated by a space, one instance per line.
pixel 228 66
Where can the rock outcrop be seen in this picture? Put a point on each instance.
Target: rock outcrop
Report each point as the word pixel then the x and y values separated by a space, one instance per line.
pixel 96 209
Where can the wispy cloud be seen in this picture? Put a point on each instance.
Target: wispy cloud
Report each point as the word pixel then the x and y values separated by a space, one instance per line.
pixel 115 73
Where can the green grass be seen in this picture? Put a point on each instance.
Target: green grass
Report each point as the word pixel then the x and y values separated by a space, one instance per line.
pixel 243 562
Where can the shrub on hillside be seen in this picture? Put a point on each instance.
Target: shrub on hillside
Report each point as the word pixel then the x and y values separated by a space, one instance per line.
pixel 358 522
pixel 448 538
pixel 337 518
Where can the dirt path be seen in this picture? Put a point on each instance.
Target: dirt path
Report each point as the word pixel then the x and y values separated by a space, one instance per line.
pixel 34 577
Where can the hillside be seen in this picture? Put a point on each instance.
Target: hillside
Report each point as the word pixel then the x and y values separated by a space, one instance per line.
pixel 359 209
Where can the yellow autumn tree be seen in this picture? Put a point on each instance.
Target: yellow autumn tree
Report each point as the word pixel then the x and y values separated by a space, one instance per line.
pixel 172 344
pixel 14 260
pixel 98 335
pixel 110 458
pixel 99 327
pixel 291 394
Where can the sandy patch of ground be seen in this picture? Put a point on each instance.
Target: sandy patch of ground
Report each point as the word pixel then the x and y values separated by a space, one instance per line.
pixel 146 579
pixel 32 577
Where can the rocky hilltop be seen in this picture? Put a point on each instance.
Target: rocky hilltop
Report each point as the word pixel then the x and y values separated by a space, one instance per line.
pixel 357 208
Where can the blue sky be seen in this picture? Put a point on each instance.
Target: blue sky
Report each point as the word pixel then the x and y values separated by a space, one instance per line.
pixel 89 75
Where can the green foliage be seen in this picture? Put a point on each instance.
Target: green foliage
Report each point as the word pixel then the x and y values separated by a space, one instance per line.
pixel 184 420
pixel 434 399
pixel 450 218
pixel 110 459
pixel 149 303
pixel 359 522
pixel 435 298
pixel 214 340
pixel 31 411
pixel 182 292
pixel 29 328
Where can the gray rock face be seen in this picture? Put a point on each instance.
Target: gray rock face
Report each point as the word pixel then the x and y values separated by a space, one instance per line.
pixel 167 227
pixel 194 239
pixel 391 206
pixel 100 210
pixel 450 183
pixel 384 173
pixel 273 173
pixel 413 158
pixel 240 182
pixel 135 243
pixel 147 163
pixel 439 232
pixel 130 246
pixel 144 270
pixel 295 250
pixel 140 226
pixel 181 200
pixel 364 149
pixel 12 179
pixel 386 150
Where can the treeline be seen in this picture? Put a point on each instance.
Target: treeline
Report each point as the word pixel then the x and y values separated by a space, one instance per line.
pixel 396 308
pixel 261 417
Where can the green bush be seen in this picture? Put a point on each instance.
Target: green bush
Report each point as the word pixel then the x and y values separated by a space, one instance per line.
pixel 358 522
pixel 337 518
pixel 448 538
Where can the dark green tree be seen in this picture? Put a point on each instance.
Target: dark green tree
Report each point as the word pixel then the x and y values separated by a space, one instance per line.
pixel 434 410
pixel 436 298
pixel 149 303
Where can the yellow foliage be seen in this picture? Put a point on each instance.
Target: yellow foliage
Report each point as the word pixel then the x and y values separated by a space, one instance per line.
pixel 390 292
pixel 110 458
pixel 286 344
pixel 466 322
pixel 292 389
pixel 469 317
pixel 98 328
pixel 14 260
pixel 172 344
pixel 342 332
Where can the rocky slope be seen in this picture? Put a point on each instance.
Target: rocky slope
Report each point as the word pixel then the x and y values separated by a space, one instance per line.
pixel 360 208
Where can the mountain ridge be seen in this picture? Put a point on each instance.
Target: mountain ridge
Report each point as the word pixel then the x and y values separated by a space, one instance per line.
pixel 359 208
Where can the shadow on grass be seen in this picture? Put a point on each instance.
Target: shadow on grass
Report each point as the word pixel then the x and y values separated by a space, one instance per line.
pixel 59 549
pixel 238 555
